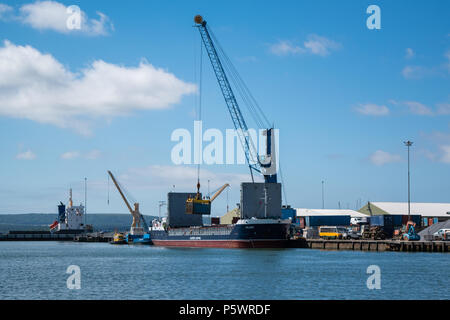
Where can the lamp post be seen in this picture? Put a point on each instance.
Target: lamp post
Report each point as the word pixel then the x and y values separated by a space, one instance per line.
pixel 85 202
pixel 323 201
pixel 409 144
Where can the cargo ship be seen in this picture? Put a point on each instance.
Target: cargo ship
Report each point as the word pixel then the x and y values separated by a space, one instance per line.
pixel 246 233
pixel 70 219
pixel 260 223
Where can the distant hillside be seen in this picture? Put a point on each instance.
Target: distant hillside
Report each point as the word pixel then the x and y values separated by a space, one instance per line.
pixel 41 221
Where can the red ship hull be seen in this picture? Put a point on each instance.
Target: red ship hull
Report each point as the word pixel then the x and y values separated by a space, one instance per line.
pixel 223 243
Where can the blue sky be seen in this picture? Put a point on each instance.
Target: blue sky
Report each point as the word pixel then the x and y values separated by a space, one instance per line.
pixel 344 98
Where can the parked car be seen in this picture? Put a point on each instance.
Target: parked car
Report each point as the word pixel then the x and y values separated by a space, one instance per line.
pixel 442 234
pixel 352 234
pixel 359 220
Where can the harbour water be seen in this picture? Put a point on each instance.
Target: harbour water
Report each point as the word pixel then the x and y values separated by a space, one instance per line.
pixel 37 270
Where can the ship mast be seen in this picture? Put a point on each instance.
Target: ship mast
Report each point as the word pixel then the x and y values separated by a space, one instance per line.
pixel 70 198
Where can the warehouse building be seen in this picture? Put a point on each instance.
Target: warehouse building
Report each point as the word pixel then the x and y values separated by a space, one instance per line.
pixel 301 212
pixel 431 212
pixel 328 217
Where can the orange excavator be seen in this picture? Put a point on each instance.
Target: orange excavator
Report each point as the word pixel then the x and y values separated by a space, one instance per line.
pixel 408 232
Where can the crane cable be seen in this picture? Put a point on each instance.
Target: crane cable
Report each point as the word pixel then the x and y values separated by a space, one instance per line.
pixel 249 100
pixel 199 117
pixel 108 189
pixel 251 145
pixel 131 200
pixel 283 184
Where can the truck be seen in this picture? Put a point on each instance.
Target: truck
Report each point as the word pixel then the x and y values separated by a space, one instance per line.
pixel 381 227
pixel 442 234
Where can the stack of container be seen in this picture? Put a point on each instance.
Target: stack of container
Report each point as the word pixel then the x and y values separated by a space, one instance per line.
pixel 288 213
pixel 317 221
pixel 401 220
pixel 391 222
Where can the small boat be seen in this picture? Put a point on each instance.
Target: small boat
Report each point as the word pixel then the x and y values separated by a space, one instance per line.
pixel 118 239
pixel 138 239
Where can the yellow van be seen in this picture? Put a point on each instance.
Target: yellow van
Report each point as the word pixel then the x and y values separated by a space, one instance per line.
pixel 327 232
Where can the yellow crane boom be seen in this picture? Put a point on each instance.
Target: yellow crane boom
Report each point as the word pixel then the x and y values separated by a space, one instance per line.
pixel 202 206
pixel 135 213
pixel 120 191
pixel 219 191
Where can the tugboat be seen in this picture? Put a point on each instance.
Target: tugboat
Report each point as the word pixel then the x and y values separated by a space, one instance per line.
pixel 118 238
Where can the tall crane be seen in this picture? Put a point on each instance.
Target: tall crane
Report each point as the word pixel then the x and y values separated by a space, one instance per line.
pixel 265 165
pixel 137 216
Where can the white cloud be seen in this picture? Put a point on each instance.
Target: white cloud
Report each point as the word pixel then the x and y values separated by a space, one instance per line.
pixel 91 155
pixel 447 64
pixel 442 141
pixel 5 10
pixel 370 109
pixel 27 155
pixel 315 44
pixel 418 108
pixel 70 155
pixel 284 47
pixel 36 86
pixel 409 53
pixel 428 154
pixel 320 45
pixel 445 158
pixel 52 15
pixel 415 72
pixel 443 108
pixel 414 107
pixel 437 137
pixel 418 72
pixel 94 154
pixel 380 158
pixel 183 177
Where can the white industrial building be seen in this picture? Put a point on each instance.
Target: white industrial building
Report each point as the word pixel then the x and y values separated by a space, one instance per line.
pixel 301 212
pixel 440 211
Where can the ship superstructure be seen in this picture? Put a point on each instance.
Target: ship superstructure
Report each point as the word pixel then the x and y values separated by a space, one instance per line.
pixel 260 224
pixel 70 218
